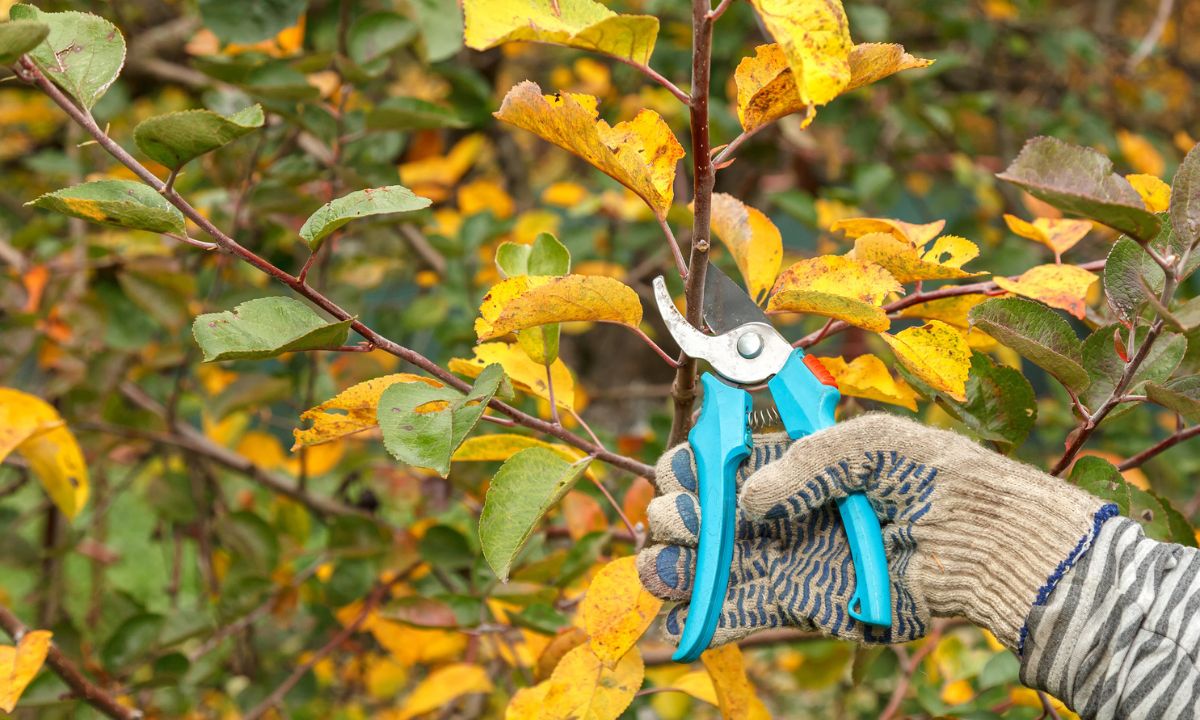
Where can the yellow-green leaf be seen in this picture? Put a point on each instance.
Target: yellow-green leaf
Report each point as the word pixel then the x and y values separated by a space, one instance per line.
pixel 20 665
pixel 641 153
pixel 350 411
pixel 582 24
pixel 33 428
pixel 815 39
pixel 529 300
pixel 617 610
pixel 943 260
pixel 837 287
pixel 699 684
pixel 525 375
pixel 441 686
pixel 1155 193
pixel 1058 234
pixel 501 446
pixel 867 377
pixel 915 234
pixel 752 239
pixel 581 688
pixel 936 353
pixel 950 310
pixel 120 203
pixel 1060 286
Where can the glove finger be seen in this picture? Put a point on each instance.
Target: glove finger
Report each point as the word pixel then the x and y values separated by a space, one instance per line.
pixel 741 615
pixel 667 571
pixel 811 474
pixel 676 470
pixel 674 518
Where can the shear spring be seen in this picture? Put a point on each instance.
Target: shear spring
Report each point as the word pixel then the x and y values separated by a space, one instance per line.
pixel 763 418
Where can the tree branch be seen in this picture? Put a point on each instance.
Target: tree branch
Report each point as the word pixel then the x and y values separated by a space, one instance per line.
pixel 1160 447
pixel 30 73
pixel 91 693
pixel 684 391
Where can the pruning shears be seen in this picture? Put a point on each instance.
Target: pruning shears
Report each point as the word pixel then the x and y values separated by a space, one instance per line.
pixel 747 350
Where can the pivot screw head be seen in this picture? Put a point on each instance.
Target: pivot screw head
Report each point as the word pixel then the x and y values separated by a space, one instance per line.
pixel 750 345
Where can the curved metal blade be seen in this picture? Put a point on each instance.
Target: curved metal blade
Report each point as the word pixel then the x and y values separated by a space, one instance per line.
pixel 726 304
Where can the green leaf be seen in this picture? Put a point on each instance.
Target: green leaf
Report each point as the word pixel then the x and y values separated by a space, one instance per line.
pixel 376 35
pixel 525 487
pixel 546 256
pixel 1001 405
pixel 441 26
pixel 423 425
pixel 373 201
pixel 83 54
pixel 18 37
pixel 1181 395
pixel 1081 181
pixel 1037 333
pixel 121 203
pixel 1127 268
pixel 1105 367
pixel 1185 199
pixel 176 138
pixel 132 641
pixel 265 328
pixel 405 113
pixel 235 21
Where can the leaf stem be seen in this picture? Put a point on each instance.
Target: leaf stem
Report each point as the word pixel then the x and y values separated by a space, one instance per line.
pixel 1160 447
pixel 657 77
pixel 674 245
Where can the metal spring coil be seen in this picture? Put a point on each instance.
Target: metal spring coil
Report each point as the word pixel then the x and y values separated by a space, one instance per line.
pixel 763 418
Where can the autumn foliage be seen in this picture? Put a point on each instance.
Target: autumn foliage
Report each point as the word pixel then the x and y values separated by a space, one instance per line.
pixel 329 388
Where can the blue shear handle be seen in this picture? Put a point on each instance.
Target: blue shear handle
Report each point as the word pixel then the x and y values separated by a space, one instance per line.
pixel 720 441
pixel 806 404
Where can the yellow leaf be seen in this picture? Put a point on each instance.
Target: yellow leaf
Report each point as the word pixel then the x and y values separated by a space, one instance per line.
pixel 433 177
pixel 319 460
pixel 581 688
pixel 1061 286
pixel 913 233
pixel 1058 234
pixel 582 24
pixel 408 645
pixel 350 411
pixel 532 223
pixel 872 62
pixel 699 684
pixel 641 153
pixel 384 677
pixel 525 374
pixel 943 261
pixel 1028 697
pixel 20 664
pixel 957 692
pixel 867 377
pixel 564 194
pixel 752 239
pixel 33 428
pixel 1155 193
pixel 937 353
pixel 617 610
pixel 950 310
pixel 441 686
pixel 262 449
pixel 501 446
pixel 1141 153
pixel 727 669
pixel 837 287
pixel 815 38
pixel 529 300
pixel 484 195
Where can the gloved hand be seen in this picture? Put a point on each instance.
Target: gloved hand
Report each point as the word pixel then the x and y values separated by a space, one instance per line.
pixel 967 532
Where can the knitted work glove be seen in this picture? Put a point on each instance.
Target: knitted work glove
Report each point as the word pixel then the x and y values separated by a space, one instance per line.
pixel 967 532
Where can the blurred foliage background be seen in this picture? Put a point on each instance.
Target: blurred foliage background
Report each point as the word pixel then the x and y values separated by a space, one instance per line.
pixel 188 586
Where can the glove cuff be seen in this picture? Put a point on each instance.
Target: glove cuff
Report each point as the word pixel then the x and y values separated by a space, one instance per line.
pixel 1001 540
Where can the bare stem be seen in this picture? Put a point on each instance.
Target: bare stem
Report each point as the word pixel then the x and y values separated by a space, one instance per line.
pixel 1160 447
pixel 550 392
pixel 656 348
pixel 658 78
pixel 674 245
pixel 684 391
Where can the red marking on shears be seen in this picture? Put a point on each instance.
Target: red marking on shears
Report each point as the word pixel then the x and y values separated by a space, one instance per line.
pixel 819 370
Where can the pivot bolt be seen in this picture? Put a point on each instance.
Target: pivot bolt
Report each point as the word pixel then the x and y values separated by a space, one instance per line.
pixel 750 345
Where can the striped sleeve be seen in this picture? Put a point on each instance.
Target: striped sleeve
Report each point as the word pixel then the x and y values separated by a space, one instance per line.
pixel 1119 636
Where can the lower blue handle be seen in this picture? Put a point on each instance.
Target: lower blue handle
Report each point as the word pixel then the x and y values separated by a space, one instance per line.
pixel 806 404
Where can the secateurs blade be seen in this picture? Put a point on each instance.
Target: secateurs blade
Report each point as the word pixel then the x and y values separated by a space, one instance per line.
pixel 747 350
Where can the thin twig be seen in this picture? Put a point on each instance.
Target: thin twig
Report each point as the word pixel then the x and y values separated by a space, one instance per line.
pixel 91 693
pixel 1160 447
pixel 910 665
pixel 550 393
pixel 657 77
pixel 674 245
pixel 656 347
